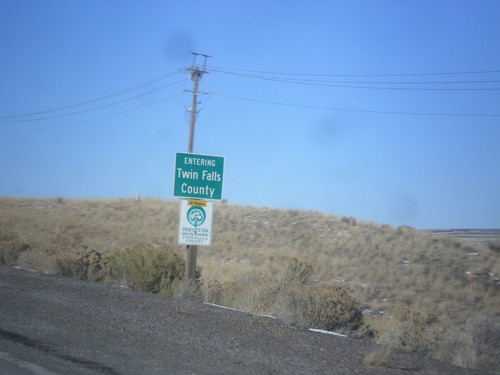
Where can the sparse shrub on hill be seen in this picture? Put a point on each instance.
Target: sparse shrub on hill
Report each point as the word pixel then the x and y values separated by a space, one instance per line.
pixel 476 346
pixel 405 329
pixel 316 306
pixel 494 246
pixel 214 292
pixel 257 293
pixel 485 336
pixel 230 293
pixel 66 255
pixel 319 306
pixel 7 235
pixel 10 251
pixel 297 273
pixel 293 297
pixel 148 268
pixel 225 294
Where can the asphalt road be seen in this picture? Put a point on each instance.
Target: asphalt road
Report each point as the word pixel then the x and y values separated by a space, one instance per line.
pixel 54 325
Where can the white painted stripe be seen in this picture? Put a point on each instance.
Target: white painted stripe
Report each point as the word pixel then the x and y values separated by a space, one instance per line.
pixel 327 332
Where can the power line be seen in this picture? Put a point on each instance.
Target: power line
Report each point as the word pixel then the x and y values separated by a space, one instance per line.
pixel 262 75
pixel 56 109
pixel 92 108
pixel 89 120
pixel 352 84
pixel 214 68
pixel 366 82
pixel 358 110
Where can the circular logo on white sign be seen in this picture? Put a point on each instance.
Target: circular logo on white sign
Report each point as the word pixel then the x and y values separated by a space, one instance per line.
pixel 196 216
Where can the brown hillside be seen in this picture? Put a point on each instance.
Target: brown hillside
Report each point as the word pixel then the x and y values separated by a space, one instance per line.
pixel 389 270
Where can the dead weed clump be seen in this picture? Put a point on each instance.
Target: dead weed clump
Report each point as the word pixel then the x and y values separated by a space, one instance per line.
pixel 84 264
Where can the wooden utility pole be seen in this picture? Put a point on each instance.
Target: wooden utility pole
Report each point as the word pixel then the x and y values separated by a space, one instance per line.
pixel 196 74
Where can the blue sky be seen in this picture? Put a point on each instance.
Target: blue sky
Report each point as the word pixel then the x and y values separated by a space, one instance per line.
pixel 387 111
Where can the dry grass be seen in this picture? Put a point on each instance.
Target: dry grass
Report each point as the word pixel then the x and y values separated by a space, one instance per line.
pixel 440 281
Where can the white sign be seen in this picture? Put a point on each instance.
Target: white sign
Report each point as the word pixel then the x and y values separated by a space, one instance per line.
pixel 195 222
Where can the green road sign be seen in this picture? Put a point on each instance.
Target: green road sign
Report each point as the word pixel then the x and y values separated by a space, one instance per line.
pixel 198 176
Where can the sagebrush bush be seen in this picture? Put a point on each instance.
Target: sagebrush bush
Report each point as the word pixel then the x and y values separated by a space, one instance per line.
pixel 292 297
pixel 148 268
pixel 256 293
pixel 485 335
pixel 258 298
pixel 84 264
pixel 225 294
pixel 325 307
pixel 475 347
pixel 10 250
pixel 405 329
pixel 494 245
pixel 297 272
